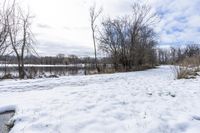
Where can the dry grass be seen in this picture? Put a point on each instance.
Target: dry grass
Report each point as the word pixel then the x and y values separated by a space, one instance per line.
pixel 182 72
pixel 188 68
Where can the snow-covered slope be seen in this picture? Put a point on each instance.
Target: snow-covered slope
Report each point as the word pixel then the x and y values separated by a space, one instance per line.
pixel 137 102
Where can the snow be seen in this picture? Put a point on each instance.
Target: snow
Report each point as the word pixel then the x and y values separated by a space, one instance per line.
pixel 137 102
pixel 7 108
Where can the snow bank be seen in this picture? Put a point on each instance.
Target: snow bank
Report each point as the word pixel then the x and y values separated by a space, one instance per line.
pixel 137 102
pixel 6 108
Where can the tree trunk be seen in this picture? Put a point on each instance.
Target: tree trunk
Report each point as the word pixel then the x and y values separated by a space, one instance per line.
pixel 95 51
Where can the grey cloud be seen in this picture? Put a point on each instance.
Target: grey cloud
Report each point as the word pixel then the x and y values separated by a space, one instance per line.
pixel 45 26
pixel 54 48
pixel 67 28
pixel 76 28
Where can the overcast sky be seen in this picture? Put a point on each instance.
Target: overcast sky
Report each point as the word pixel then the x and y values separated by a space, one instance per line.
pixel 62 26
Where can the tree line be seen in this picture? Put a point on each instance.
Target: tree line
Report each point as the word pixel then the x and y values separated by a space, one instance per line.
pixel 176 55
pixel 49 60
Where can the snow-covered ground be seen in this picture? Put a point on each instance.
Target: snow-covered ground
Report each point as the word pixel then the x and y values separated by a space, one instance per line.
pixel 137 102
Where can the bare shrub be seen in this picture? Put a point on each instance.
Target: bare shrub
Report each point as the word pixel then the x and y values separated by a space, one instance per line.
pixel 188 68
pixel 180 72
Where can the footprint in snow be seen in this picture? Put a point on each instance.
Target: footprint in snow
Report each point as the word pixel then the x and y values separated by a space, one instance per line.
pixel 196 118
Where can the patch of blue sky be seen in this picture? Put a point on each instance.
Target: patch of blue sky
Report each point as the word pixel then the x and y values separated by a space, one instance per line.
pixel 174 30
pixel 181 19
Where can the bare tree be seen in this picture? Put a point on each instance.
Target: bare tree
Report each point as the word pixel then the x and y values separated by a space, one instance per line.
pixel 141 22
pixel 3 37
pixel 20 35
pixel 192 50
pixel 93 17
pixel 130 40
pixel 3 29
pixel 114 40
pixel 163 56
